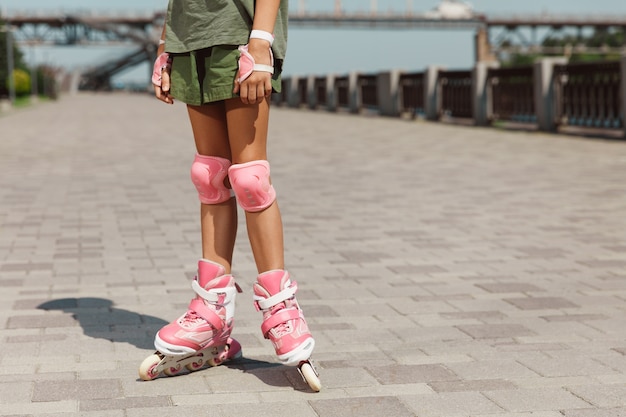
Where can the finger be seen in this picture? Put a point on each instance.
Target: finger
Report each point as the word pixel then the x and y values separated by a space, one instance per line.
pixel 243 93
pixel 165 81
pixel 158 93
pixel 251 95
pixel 268 89
pixel 261 93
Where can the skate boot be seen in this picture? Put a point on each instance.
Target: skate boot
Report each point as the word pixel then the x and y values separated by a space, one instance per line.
pixel 284 324
pixel 201 336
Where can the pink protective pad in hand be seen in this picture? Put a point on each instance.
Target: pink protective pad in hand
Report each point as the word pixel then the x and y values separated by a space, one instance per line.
pixel 162 62
pixel 247 64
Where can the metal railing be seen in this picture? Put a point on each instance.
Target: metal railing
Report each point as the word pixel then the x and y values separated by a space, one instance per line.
pixel 321 91
pixel 342 91
pixel 412 93
pixel 456 93
pixel 511 93
pixel 367 86
pixel 588 95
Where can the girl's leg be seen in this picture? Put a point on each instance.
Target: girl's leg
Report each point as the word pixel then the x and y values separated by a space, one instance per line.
pixel 218 221
pixel 247 130
pixel 208 322
pixel 274 291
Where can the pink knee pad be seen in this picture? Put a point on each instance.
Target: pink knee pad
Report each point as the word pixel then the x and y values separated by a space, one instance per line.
pixel 251 183
pixel 208 174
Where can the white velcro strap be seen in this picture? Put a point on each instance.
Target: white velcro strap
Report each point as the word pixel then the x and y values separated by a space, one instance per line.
pixel 264 68
pixel 212 296
pixel 279 297
pixel 261 34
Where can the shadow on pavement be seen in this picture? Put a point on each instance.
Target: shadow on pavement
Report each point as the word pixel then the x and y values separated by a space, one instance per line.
pixel 100 319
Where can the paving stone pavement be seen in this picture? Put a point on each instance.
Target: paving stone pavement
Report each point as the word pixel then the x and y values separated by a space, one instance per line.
pixel 445 271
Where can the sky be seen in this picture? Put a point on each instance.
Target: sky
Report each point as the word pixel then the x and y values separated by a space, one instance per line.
pixel 319 51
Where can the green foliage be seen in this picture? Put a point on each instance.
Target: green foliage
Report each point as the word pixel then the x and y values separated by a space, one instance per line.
pixel 21 79
pixel 18 61
pixel 600 38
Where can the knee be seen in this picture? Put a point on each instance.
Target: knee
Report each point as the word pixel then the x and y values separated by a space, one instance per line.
pixel 208 174
pixel 252 186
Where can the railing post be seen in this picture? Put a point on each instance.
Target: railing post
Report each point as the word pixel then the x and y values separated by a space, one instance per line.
pixel 292 92
pixel 623 92
pixel 480 92
pixel 354 96
pixel 387 85
pixel 544 92
pixel 431 93
pixel 331 97
pixel 311 95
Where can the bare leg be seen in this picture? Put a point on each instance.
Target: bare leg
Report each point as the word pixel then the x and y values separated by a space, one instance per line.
pixel 247 130
pixel 218 221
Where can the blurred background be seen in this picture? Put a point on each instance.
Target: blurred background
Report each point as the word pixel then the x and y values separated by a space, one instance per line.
pixel 110 45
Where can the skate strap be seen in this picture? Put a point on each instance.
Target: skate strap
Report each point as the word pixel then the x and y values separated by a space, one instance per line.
pixel 206 313
pixel 212 296
pixel 286 294
pixel 247 64
pixel 280 317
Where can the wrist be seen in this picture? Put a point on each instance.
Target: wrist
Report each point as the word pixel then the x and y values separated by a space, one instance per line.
pixel 262 35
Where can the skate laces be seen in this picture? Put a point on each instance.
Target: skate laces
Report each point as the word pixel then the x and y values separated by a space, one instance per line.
pixel 281 329
pixel 193 319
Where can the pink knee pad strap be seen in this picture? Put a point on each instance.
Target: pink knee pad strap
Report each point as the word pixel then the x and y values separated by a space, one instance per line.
pixel 251 183
pixel 208 174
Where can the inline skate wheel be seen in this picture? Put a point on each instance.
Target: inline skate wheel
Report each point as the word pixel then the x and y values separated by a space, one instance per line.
pixel 195 365
pixel 147 367
pixel 310 376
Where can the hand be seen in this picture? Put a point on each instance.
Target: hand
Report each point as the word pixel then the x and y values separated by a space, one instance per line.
pixel 162 92
pixel 258 86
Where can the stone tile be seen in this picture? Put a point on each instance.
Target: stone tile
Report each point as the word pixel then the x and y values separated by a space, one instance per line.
pixel 606 396
pixel 472 385
pixel 77 390
pixel 477 315
pixel 416 269
pixel 491 369
pixel 509 287
pixel 566 366
pixel 545 399
pixel 575 317
pixel 40 321
pixel 376 406
pixel 596 412
pixel 15 392
pixel 124 403
pixel 451 404
pixel 541 303
pixel 409 374
pixel 495 331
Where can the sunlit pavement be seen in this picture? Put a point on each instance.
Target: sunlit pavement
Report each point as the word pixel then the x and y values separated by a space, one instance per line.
pixel 445 271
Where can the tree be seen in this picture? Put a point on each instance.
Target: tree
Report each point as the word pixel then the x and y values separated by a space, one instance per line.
pixel 18 60
pixel 611 39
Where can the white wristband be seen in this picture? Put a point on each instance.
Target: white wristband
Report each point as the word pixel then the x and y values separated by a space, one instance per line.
pixel 261 34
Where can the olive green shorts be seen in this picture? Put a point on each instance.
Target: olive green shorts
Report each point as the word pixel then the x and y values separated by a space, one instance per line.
pixel 208 75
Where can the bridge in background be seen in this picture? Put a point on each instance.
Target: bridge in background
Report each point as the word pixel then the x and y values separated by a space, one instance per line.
pixel 493 35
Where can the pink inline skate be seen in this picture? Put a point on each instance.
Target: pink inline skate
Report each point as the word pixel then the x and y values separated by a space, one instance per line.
pixel 284 324
pixel 201 336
